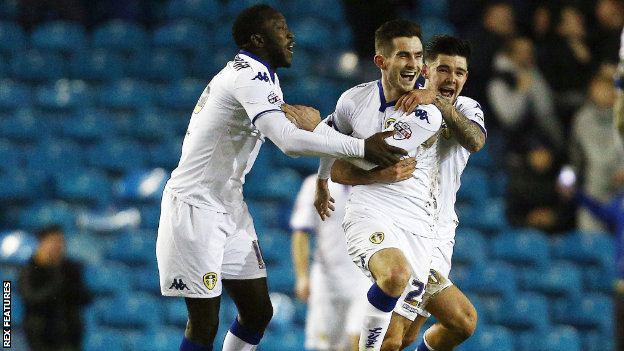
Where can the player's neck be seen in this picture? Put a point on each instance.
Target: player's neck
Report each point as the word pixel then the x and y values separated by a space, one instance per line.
pixel 390 93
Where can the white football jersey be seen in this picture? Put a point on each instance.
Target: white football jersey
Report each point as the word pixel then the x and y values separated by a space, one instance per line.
pixel 221 142
pixel 363 111
pixel 340 276
pixel 452 161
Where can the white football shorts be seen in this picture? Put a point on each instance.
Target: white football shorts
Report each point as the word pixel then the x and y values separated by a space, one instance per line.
pixel 366 235
pixel 196 248
pixel 439 273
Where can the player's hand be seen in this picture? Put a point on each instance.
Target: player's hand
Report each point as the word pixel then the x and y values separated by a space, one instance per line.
pixel 302 289
pixel 377 151
pixel 411 100
pixel 323 202
pixel 304 117
pixel 396 173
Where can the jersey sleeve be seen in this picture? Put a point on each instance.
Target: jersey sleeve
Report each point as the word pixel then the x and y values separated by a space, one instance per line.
pixel 472 110
pixel 304 214
pixel 340 119
pixel 255 92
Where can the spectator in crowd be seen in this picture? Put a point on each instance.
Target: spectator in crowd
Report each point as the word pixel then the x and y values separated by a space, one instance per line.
pixel 605 39
pixel 521 99
pixel 53 292
pixel 595 152
pixel 532 198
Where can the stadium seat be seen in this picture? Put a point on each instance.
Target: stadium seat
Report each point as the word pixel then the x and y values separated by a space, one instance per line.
pixel 433 8
pixel 117 155
pixel 156 341
pixel 301 311
pixel 325 10
pixel 206 63
pixel 165 154
pixel 122 36
pixel 107 279
pixel 63 95
pixel 67 37
pixel 282 184
pixel 85 247
pixel 314 91
pixel 598 279
pixel 487 216
pixel 584 247
pixel 89 187
pixel 181 95
pixel 181 35
pixel 22 186
pixel 312 34
pixel 97 66
pixel 146 278
pixel 489 338
pixel 148 125
pixel 552 338
pixel 126 94
pixel 590 310
pixel 14 95
pixel 556 279
pixel 475 186
pixel 175 312
pixel 16 247
pixel 104 340
pixel 522 246
pixel 36 66
pixel 594 340
pixel 25 126
pixel 470 246
pixel 523 311
pixel 275 246
pixel 280 277
pixel 12 37
pixel 481 159
pixel 141 186
pixel 133 248
pixel 435 25
pixel 11 156
pixel 132 311
pixel 157 66
pixel 492 278
pixel 88 126
pixel 200 10
pixel 45 213
pixel 500 180
pixel 303 165
pixel 283 313
pixel 234 7
pixel 56 156
pixel 302 66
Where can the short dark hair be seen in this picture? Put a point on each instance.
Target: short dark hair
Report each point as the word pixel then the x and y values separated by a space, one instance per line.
pixel 47 230
pixel 397 28
pixel 447 45
pixel 250 22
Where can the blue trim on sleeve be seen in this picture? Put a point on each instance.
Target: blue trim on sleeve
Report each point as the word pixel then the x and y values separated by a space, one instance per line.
pixel 333 122
pixel 262 62
pixel 480 127
pixel 253 120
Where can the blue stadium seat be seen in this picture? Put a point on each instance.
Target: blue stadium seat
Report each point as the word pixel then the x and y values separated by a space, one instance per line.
pixel 181 95
pixel 36 66
pixel 277 341
pixel 122 36
pixel 523 311
pixel 89 187
pixel 499 183
pixel 85 247
pixel 46 213
pixel 10 9
pixel 488 216
pixel 104 340
pixel 470 246
pixel 133 248
pixel 107 279
pixel 61 36
pixel 63 95
pixel 56 156
pixel 20 185
pixel 434 25
pixel 281 277
pixel 588 311
pixel 475 186
pixel 141 186
pixel 126 94
pixel 25 125
pixel 493 278
pixel 522 246
pixel 157 341
pixel 557 279
pixel 11 156
pixel 301 311
pixel 433 8
pixel 303 165
pixel 132 311
pixel 598 279
pixel 117 155
pixel 146 278
pixel 88 126
pixel 165 154
pixel 12 37
pixel 283 313
pixel 99 66
pixel 583 247
pixel 326 10
pixel 157 66
pixel 234 7
pixel 150 215
pixel 175 312
pixel 594 340
pixel 206 63
pixel 312 34
pixel 14 95
pixel 16 247
pixel 281 184
pixel 314 91
pixel 275 246
pixel 302 66
pixel 489 338
pixel 552 338
pixel 481 159
pixel 147 125
pixel 181 35
pixel 201 10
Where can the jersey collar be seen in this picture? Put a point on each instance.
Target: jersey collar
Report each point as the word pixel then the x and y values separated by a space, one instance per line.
pixel 384 105
pixel 261 61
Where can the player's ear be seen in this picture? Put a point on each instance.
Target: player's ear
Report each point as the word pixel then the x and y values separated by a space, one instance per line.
pixel 379 61
pixel 425 71
pixel 257 40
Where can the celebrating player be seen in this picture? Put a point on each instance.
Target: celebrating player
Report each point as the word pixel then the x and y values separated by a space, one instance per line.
pixel 206 238
pixel 446 72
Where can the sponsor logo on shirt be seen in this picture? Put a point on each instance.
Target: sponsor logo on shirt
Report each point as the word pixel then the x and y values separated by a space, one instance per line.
pixel 210 280
pixel 376 238
pixel 403 131
pixel 273 98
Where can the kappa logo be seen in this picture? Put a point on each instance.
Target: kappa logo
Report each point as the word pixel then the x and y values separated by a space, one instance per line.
pixel 376 238
pixel 403 131
pixel 422 114
pixel 178 284
pixel 210 280
pixel 373 335
pixel 261 76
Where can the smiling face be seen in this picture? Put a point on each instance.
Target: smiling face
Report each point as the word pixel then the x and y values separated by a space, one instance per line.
pixel 446 75
pixel 400 67
pixel 278 41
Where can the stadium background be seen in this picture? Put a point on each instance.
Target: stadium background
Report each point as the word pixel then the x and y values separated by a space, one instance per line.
pixel 92 116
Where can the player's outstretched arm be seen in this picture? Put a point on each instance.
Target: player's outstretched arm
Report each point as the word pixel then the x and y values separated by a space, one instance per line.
pixel 323 202
pixel 467 133
pixel 344 172
pixel 300 250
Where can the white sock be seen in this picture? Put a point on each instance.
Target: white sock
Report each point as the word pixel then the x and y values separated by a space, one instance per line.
pixel 426 343
pixel 374 328
pixel 233 343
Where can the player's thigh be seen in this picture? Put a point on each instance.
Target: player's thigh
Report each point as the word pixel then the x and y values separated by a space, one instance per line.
pixel 242 258
pixel 451 307
pixel 189 249
pixel 396 330
pixel 203 313
pixel 251 297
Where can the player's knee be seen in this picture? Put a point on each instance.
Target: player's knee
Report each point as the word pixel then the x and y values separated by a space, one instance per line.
pixel 259 318
pixel 394 280
pixel 466 323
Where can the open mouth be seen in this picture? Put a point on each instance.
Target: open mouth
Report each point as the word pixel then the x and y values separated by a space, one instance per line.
pixel 409 76
pixel 447 92
pixel 289 48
